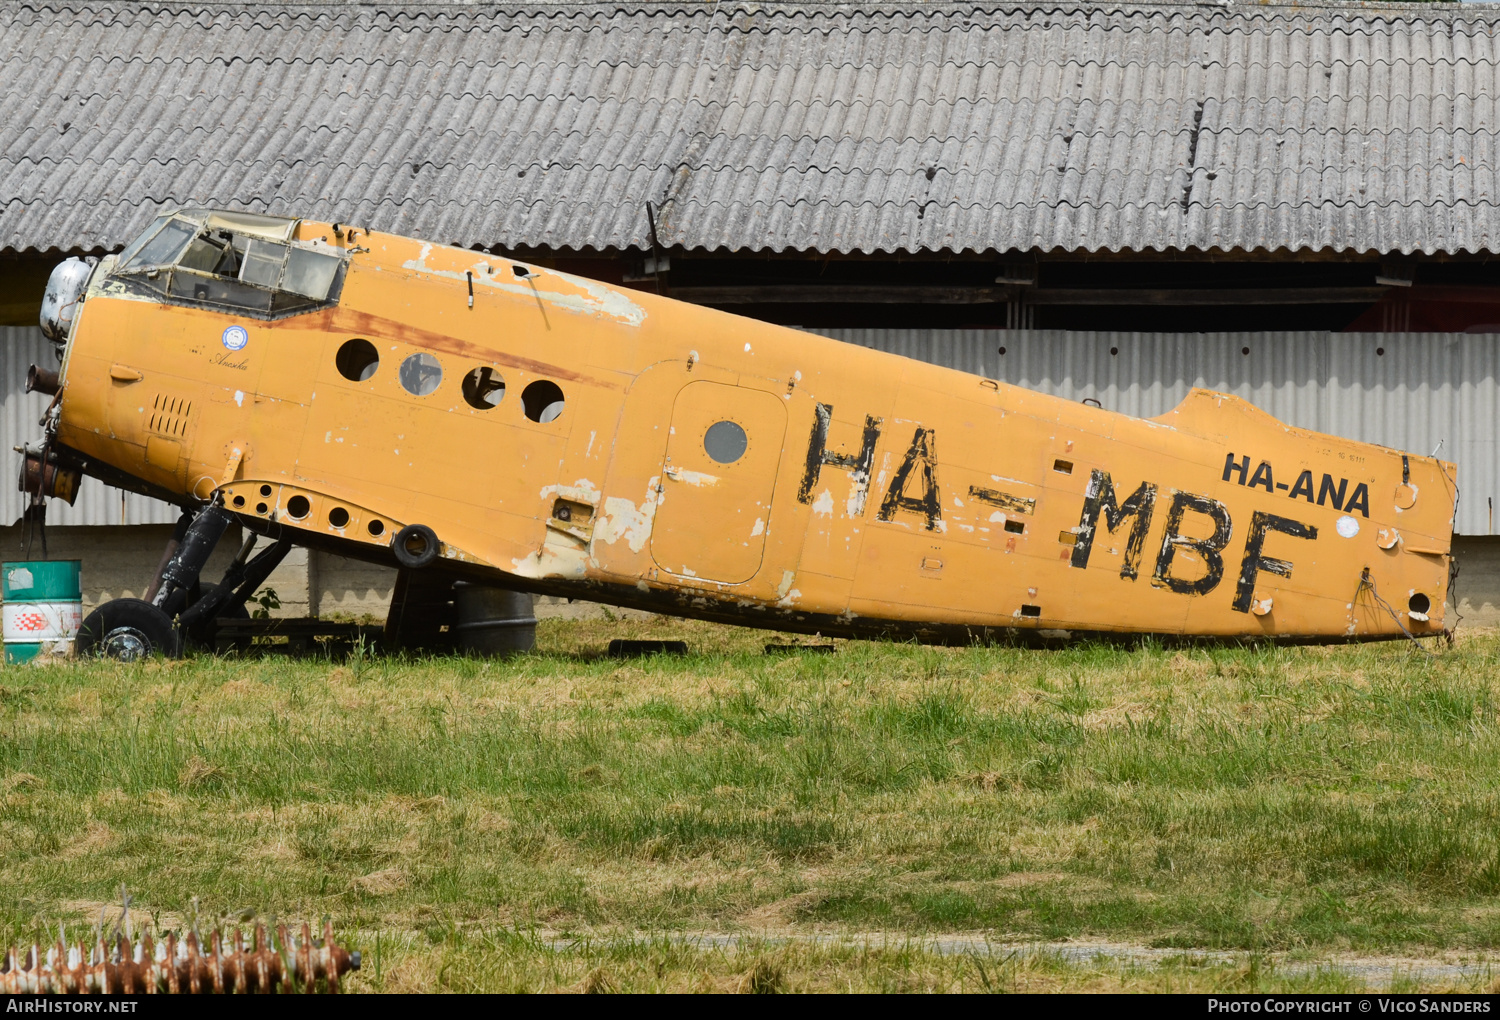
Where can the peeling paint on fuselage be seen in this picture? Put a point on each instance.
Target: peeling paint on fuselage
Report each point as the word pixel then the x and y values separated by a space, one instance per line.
pixel 589 297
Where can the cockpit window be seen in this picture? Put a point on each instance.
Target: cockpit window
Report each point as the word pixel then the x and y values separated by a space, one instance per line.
pixel 140 242
pixel 263 262
pixel 223 291
pixel 215 259
pixel 310 273
pixel 164 248
pixel 211 254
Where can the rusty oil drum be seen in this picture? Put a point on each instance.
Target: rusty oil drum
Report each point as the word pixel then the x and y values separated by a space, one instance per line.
pixel 492 621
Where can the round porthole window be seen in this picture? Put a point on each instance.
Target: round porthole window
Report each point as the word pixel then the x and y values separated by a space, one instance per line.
pixel 420 374
pixel 357 360
pixel 542 401
pixel 725 442
pixel 483 388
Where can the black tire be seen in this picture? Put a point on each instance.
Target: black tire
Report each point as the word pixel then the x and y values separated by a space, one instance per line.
pixel 416 546
pixel 128 630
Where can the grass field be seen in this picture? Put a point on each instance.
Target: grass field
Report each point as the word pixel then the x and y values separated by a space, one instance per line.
pixel 569 821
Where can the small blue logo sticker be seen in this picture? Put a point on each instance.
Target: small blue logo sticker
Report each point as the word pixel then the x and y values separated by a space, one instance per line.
pixel 235 338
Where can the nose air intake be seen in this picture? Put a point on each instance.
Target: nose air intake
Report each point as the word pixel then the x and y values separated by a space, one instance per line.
pixel 65 289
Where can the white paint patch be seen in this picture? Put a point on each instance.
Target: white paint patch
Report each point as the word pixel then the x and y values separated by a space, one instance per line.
pixel 698 479
pixel 1347 526
pixel 622 519
pixel 588 297
pixel 590 450
pixel 116 291
pixel 328 436
pixel 785 586
pixel 997 517
pixel 854 507
pixel 239 398
pixel 758 528
pixel 581 491
pixel 553 561
pixel 824 504
pixel 957 501
pixel 747 349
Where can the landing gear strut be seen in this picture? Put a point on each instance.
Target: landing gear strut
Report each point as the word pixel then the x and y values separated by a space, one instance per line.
pixel 178 607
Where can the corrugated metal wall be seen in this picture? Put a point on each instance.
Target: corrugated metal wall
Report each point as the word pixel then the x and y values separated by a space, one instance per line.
pixel 1409 391
pixel 97 503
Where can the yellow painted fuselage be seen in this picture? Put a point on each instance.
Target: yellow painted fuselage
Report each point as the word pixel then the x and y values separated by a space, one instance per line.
pixel 852 492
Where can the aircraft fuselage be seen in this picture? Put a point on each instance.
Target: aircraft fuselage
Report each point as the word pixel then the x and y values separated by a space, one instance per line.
pixel 576 438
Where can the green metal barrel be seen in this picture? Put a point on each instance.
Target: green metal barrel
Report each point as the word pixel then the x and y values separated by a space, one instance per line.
pixel 42 607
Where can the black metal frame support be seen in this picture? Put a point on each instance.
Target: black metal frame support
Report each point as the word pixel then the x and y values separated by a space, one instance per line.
pixel 239 583
pixel 179 581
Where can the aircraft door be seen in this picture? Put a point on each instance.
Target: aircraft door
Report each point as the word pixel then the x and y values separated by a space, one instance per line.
pixel 723 453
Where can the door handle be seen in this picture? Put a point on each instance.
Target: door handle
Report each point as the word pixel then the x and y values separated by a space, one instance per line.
pixel 124 373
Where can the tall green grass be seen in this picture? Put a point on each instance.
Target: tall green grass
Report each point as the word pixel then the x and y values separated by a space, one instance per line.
pixel 1251 799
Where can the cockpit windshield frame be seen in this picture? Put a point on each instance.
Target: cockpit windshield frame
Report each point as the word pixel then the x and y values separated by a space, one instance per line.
pixel 242 263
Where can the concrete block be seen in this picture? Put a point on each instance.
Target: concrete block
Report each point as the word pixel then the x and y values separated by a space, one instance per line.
pixel 1478 584
pixel 350 589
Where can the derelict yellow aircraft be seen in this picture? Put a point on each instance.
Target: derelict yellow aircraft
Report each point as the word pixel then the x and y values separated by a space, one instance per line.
pixel 462 415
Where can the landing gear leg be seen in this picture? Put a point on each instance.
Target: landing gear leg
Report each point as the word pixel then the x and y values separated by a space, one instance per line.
pixel 179 581
pixel 173 543
pixel 227 598
pixel 130 629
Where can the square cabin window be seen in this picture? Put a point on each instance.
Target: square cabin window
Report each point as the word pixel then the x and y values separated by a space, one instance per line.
pixel 309 273
pixel 263 261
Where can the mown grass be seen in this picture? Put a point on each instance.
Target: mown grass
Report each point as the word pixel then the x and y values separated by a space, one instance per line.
pixel 1261 800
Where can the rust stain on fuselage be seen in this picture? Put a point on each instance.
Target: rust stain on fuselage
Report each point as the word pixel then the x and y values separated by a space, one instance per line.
pixel 356 323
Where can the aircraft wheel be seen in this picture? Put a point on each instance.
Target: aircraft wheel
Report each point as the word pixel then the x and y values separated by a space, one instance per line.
pixel 416 546
pixel 128 630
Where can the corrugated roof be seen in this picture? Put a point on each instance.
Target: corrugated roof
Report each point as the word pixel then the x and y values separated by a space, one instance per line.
pixel 826 127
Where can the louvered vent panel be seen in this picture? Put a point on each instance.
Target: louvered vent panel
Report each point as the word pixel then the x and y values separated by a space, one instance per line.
pixel 169 416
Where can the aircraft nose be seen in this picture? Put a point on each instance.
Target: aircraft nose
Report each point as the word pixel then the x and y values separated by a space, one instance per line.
pixel 64 291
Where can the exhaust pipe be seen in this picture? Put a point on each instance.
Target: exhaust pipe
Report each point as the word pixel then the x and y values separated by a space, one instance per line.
pixel 40 380
pixel 41 476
